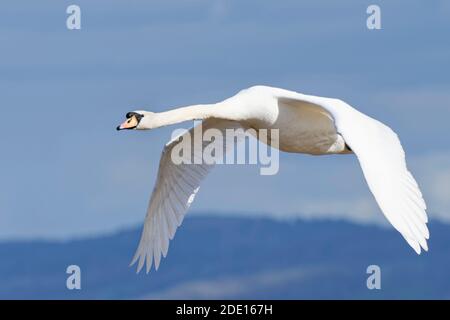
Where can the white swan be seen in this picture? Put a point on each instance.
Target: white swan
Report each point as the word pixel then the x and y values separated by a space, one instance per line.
pixel 307 124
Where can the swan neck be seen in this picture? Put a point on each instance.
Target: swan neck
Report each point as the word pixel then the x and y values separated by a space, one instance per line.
pixel 194 112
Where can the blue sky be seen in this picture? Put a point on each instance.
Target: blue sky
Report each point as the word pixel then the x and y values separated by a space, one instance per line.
pixel 66 172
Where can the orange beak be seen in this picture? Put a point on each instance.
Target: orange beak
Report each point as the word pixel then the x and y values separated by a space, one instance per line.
pixel 129 124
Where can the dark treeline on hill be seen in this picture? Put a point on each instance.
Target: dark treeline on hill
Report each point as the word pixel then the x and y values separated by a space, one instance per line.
pixel 234 258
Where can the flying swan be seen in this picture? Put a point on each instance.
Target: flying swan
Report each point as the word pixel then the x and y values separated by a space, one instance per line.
pixel 307 124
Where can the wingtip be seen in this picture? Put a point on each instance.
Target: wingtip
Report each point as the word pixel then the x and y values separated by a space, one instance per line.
pixel 133 261
pixel 417 247
pixel 425 246
pixel 131 265
pixel 148 268
pixel 413 244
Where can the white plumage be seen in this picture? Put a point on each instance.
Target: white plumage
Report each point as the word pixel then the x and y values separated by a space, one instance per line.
pixel 307 124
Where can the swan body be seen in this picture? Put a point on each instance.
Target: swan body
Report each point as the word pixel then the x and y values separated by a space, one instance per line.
pixel 307 124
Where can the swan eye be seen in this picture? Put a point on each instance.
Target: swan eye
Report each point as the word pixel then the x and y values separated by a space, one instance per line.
pixel 130 115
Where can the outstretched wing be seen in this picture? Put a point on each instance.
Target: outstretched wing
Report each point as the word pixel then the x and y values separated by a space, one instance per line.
pixel 382 160
pixel 176 186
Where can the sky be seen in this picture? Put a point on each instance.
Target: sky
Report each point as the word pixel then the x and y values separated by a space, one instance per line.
pixel 65 171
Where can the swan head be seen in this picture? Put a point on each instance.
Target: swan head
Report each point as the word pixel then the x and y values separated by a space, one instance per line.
pixel 138 120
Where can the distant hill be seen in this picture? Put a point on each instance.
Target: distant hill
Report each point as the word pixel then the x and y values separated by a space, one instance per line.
pixel 214 257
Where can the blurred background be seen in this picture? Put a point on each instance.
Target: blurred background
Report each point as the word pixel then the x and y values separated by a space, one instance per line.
pixel 74 191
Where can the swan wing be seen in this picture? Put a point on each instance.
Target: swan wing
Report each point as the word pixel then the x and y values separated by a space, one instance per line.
pixel 174 191
pixel 382 160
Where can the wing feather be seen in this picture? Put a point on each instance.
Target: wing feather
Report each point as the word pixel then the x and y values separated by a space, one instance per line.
pixel 382 160
pixel 174 191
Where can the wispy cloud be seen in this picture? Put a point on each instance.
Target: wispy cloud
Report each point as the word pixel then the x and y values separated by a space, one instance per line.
pixel 236 286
